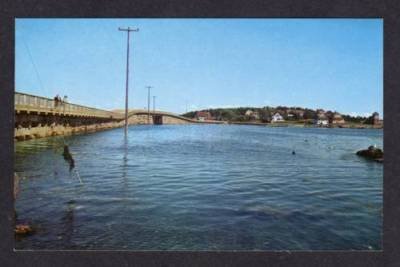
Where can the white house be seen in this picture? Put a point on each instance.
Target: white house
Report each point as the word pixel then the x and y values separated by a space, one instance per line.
pixel 321 120
pixel 277 117
pixel 249 112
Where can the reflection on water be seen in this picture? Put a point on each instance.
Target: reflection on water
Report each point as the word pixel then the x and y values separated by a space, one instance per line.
pixel 202 187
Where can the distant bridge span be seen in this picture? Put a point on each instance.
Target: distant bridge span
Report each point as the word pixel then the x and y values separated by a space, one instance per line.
pixel 160 113
pixel 164 117
pixel 37 116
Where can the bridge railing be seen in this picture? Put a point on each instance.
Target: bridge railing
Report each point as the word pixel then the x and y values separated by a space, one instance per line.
pixel 43 104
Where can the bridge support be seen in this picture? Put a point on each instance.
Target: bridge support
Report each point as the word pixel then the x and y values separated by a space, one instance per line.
pixel 157 119
pixel 29 126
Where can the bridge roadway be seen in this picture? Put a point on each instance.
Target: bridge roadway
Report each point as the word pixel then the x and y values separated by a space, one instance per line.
pixel 31 104
pixel 37 116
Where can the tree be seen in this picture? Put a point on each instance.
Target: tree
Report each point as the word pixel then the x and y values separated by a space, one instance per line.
pixel 227 114
pixel 309 114
pixel 190 114
pixel 265 115
pixel 369 120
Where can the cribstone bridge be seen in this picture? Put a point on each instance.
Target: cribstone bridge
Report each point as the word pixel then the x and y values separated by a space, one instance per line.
pixel 37 117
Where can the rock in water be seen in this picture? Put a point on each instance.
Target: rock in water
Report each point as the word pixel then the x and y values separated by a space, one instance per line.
pixel 23 229
pixel 372 153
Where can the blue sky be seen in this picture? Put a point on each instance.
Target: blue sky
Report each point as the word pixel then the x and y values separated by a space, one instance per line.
pixel 333 64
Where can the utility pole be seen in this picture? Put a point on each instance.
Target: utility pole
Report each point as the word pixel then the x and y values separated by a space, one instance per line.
pixel 154 104
pixel 148 103
pixel 128 30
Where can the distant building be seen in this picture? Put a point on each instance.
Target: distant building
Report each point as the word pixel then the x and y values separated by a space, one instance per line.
pixel 252 115
pixel 203 115
pixel 277 117
pixel 321 119
pixel 336 118
pixel 248 112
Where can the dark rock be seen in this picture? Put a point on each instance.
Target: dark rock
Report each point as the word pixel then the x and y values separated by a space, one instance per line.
pixel 23 229
pixel 372 153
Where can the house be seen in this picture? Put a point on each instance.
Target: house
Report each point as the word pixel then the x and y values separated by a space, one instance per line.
pixel 336 118
pixel 203 115
pixel 321 120
pixel 252 115
pixel 291 115
pixel 248 112
pixel 277 117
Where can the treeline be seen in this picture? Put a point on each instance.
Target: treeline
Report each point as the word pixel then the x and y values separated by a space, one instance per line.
pixel 265 114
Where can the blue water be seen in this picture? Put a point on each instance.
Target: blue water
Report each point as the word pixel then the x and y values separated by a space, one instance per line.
pixel 203 187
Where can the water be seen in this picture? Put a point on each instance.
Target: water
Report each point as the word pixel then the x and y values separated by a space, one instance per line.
pixel 203 187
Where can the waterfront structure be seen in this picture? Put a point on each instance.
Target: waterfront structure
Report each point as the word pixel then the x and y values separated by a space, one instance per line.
pixel 321 120
pixel 248 112
pixel 336 119
pixel 291 115
pixel 203 115
pixel 277 117
pixel 252 115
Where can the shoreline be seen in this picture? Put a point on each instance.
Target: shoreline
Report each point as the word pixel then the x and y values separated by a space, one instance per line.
pixel 25 134
pixel 304 125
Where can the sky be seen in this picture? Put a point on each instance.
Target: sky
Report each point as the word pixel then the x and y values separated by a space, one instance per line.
pixel 192 64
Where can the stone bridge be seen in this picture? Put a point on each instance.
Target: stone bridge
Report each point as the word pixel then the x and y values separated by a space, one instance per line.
pixel 142 116
pixel 37 116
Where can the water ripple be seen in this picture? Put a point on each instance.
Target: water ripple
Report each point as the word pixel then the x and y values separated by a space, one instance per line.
pixel 203 187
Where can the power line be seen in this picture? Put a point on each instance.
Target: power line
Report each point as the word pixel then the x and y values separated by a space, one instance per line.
pixel 33 64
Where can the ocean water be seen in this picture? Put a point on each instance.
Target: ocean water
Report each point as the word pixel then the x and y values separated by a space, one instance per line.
pixel 202 187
